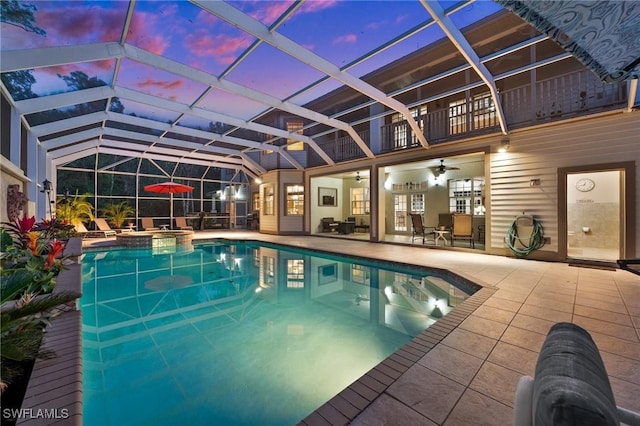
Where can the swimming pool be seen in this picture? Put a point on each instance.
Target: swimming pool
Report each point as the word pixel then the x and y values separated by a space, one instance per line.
pixel 241 333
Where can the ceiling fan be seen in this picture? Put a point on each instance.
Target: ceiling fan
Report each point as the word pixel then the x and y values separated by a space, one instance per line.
pixel 441 169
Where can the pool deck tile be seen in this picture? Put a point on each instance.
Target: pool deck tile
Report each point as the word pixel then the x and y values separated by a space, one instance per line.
pixel 464 369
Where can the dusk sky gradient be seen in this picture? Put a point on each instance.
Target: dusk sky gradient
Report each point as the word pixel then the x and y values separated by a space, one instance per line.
pixel 337 31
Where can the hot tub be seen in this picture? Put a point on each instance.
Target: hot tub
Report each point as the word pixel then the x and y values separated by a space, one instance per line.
pixel 155 238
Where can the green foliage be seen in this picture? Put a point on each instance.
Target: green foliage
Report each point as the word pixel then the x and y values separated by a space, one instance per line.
pixel 117 213
pixel 22 327
pixel 75 210
pixel 30 262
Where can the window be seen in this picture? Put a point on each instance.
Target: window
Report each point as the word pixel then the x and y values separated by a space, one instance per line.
pixel 458 117
pixel 255 201
pixel 295 273
pixel 269 207
pixel 400 212
pixel 465 196
pixel 359 201
pixel 401 129
pixel 294 144
pixel 417 203
pixel 295 199
pixel 482 113
pixel 360 274
pixel 268 268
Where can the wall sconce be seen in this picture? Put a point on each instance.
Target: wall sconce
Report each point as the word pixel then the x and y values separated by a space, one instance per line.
pixel 504 145
pixel 534 182
pixel 46 188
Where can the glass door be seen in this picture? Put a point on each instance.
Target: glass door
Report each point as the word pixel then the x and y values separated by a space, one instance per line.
pixel 595 215
pixel 400 212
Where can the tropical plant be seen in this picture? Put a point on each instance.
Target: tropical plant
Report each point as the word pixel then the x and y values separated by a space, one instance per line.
pixel 117 213
pixel 30 260
pixel 75 210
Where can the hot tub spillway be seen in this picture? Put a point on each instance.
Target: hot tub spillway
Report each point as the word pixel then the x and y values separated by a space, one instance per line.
pixel 155 239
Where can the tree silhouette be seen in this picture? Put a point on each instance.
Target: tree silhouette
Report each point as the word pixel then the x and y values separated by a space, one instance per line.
pixel 21 15
pixel 78 80
pixel 19 83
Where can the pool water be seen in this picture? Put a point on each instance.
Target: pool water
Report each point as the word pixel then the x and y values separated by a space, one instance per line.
pixel 240 334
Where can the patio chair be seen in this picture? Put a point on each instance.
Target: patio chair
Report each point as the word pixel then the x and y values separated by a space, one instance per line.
pixel 462 228
pixel 181 223
pixel 631 265
pixel 82 230
pixel 147 224
pixel 419 229
pixel 571 385
pixel 328 224
pixel 104 228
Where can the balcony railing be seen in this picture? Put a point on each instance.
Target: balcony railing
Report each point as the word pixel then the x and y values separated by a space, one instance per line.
pixel 342 148
pixel 558 98
pixel 554 99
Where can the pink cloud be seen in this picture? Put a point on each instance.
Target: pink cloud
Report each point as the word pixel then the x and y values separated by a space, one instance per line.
pixel 270 13
pixel 92 69
pixel 165 85
pixel 141 34
pixel 316 5
pixel 75 24
pixel 204 18
pixel 202 43
pixel 345 39
pixel 168 10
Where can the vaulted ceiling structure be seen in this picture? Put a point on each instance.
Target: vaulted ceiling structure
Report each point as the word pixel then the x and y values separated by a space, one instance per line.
pixel 200 82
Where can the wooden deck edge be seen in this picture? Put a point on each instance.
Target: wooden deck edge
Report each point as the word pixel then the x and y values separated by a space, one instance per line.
pixel 54 393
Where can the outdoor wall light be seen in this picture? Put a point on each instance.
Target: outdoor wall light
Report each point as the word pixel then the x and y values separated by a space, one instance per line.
pixel 46 189
pixel 504 145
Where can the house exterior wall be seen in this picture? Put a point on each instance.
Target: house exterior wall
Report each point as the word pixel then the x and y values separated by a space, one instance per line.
pixel 535 153
pixel 538 153
pixel 289 224
pixel 280 222
pixel 269 222
pixel 12 175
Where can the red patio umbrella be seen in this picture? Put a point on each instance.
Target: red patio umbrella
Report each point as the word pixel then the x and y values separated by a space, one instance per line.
pixel 169 188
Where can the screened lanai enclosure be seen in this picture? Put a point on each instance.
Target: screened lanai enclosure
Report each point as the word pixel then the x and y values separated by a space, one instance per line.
pixel 111 96
pixel 219 197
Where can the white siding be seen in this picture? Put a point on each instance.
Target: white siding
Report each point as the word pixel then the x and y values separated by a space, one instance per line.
pixel 539 153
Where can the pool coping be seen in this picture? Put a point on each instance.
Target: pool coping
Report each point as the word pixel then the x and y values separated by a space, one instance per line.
pixel 353 400
pixel 55 386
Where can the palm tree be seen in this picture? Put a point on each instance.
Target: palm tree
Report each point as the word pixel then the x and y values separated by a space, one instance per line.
pixel 75 210
pixel 117 213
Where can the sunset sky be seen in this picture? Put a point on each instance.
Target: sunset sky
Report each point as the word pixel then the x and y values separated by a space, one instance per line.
pixel 338 31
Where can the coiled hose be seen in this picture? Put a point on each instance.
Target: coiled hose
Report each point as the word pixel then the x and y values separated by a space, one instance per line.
pixel 528 244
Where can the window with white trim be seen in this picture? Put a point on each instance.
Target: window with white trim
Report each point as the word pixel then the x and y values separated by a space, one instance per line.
pixel 295 144
pixel 360 200
pixel 295 273
pixel 465 196
pixel 269 205
pixel 295 199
